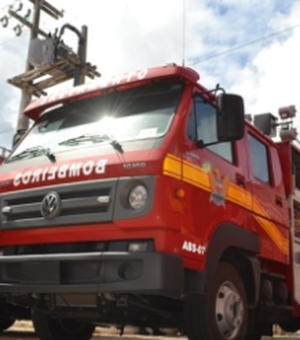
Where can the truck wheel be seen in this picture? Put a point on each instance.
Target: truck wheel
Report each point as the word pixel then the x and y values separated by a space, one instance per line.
pixel 292 327
pixel 223 314
pixel 259 331
pixel 6 323
pixel 50 328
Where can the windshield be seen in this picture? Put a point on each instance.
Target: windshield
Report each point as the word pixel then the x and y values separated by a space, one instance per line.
pixel 138 113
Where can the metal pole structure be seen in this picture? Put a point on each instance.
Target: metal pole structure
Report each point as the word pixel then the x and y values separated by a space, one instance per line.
pixel 82 51
pixel 23 121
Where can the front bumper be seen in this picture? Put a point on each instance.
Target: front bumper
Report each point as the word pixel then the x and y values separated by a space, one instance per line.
pixel 97 272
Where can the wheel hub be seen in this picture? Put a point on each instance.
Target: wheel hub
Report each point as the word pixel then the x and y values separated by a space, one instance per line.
pixel 229 310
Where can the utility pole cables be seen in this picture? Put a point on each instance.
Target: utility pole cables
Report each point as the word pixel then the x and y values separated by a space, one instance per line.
pixel 47 57
pixel 39 5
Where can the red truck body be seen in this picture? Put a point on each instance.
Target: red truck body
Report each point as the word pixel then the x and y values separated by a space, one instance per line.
pixel 212 247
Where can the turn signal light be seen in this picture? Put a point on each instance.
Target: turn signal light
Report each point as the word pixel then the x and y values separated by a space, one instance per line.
pixel 179 193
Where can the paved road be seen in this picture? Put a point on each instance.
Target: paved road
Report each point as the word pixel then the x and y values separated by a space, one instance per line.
pixel 24 331
pixel 29 335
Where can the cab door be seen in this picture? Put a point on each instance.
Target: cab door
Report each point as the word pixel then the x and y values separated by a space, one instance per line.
pixel 270 211
pixel 295 238
pixel 216 177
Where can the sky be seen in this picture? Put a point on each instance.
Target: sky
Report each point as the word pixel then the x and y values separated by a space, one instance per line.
pixel 249 47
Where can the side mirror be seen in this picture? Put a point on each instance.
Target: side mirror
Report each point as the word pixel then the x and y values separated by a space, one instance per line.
pixel 230 118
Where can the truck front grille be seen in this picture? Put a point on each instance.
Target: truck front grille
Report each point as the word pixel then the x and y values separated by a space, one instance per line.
pixel 90 202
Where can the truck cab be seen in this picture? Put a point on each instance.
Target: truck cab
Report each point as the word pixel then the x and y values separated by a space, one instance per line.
pixel 149 200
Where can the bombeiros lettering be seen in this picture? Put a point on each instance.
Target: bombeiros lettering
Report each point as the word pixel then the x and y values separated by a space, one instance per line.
pixel 61 172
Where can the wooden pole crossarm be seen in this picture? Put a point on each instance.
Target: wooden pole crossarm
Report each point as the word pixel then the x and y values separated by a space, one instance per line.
pixel 26 23
pixel 49 9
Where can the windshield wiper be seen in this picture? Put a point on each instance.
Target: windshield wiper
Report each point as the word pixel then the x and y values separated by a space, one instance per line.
pixel 33 152
pixel 95 138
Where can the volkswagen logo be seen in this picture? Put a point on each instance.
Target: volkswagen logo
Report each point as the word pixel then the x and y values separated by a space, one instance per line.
pixel 51 205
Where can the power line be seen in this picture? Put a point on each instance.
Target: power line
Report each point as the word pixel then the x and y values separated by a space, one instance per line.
pixel 244 45
pixel 5 131
pixel 10 39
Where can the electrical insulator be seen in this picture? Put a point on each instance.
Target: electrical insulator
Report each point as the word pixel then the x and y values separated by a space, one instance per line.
pixel 63 51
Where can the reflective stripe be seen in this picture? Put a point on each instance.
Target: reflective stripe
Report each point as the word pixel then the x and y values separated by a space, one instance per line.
pixel 172 166
pixel 190 173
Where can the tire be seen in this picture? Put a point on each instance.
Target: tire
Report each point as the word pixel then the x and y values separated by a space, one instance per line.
pixel 259 331
pixel 223 313
pixel 255 336
pixel 292 327
pixel 50 328
pixel 6 323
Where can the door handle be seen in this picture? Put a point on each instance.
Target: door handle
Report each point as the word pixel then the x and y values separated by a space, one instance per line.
pixel 278 201
pixel 240 180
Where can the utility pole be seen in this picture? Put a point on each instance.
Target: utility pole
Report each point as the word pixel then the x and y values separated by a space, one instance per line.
pixel 3 153
pixel 39 5
pixel 23 121
pixel 49 57
pixel 82 50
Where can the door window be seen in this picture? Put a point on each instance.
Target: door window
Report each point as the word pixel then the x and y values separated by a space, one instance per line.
pixel 259 160
pixel 206 129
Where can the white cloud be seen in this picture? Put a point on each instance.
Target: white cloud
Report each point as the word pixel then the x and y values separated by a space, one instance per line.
pixel 271 80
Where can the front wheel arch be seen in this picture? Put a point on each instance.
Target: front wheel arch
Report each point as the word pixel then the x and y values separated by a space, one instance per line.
pixel 236 245
pixel 221 314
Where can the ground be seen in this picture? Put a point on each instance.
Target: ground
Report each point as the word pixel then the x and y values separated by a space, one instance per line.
pixel 22 330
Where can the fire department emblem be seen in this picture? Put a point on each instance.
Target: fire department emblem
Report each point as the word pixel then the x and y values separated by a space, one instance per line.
pixel 51 205
pixel 219 187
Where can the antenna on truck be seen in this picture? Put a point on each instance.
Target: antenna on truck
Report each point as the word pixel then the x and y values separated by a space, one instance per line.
pixel 183 32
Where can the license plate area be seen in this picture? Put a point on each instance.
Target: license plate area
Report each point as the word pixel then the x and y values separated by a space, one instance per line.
pixel 40 272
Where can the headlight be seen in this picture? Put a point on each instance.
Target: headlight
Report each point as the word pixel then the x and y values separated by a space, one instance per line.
pixel 137 197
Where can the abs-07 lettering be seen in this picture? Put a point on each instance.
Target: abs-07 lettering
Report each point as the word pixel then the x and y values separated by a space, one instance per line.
pixel 193 247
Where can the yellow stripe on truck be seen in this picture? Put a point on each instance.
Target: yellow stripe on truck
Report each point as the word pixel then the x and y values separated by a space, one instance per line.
pixel 172 166
pixel 196 176
pixel 270 228
pixel 239 196
pixel 178 168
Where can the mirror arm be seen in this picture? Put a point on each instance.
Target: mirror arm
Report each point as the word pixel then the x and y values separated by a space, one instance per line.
pixel 195 120
pixel 215 90
pixel 201 145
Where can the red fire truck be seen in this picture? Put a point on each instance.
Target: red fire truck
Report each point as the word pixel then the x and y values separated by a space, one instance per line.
pixel 149 200
pixel 8 313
